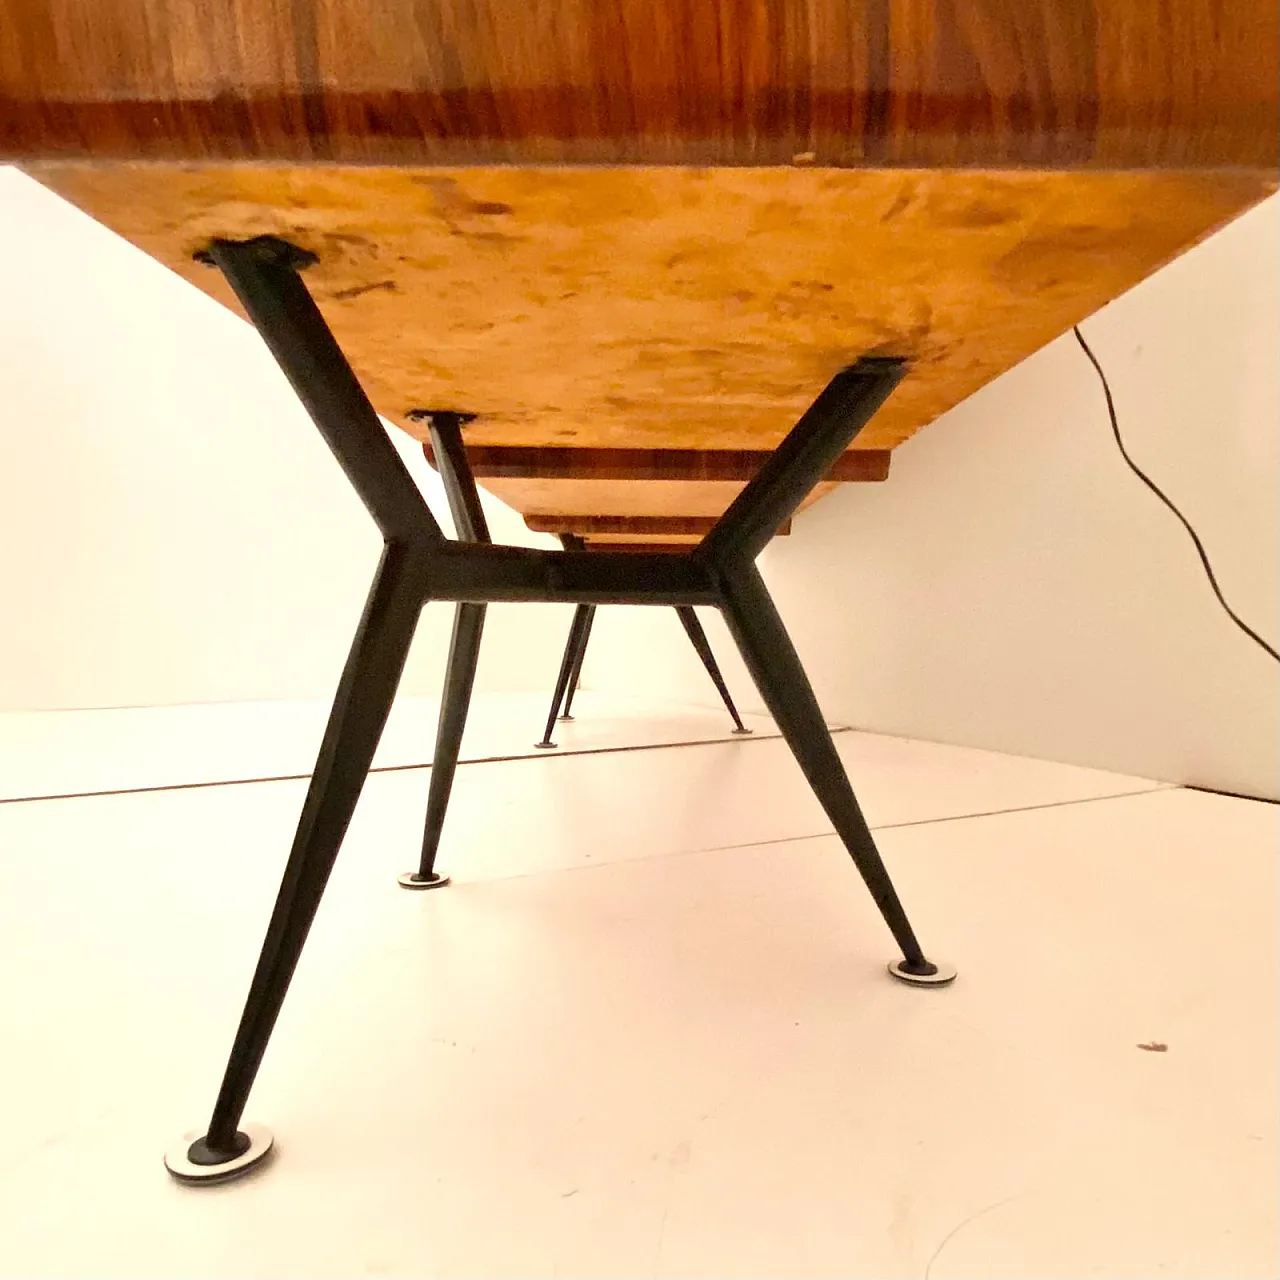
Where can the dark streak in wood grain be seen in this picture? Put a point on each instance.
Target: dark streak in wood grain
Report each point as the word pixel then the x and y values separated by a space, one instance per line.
pixel 356 290
pixel 397 128
pixel 306 49
pixel 876 113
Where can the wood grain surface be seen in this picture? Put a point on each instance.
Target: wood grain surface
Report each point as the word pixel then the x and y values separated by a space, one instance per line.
pixel 629 526
pixel 680 310
pixel 495 462
pixel 674 308
pixel 989 83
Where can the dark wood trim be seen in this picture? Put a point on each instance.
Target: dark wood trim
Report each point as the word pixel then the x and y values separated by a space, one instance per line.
pixel 512 462
pixel 586 526
pixel 643 548
pixel 991 84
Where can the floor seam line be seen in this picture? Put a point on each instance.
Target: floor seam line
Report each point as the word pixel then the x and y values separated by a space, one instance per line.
pixel 821 835
pixel 1031 808
pixel 397 768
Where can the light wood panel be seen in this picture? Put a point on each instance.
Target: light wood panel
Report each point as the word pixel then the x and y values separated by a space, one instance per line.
pixel 1051 83
pixel 540 496
pixel 675 308
pixel 672 309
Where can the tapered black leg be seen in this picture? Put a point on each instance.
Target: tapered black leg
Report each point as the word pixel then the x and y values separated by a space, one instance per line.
pixel 464 653
pixel 577 637
pixel 578 659
pixel 698 637
pixel 775 667
pixel 359 712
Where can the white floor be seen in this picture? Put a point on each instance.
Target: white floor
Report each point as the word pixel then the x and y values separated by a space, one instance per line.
pixel 648 1032
pixel 63 753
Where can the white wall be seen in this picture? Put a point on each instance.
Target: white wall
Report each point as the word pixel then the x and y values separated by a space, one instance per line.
pixel 172 527
pixel 1014 586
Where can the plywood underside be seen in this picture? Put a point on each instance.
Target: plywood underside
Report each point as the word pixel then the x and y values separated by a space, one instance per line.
pixel 673 308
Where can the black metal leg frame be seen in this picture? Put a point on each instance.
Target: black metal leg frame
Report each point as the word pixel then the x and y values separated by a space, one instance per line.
pixel 575 651
pixel 702 647
pixel 419 564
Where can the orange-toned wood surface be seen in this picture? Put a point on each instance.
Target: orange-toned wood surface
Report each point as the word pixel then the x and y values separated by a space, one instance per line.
pixel 956 183
pixel 672 309
pixel 992 83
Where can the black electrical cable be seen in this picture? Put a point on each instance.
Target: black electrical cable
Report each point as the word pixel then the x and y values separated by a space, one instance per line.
pixel 1151 484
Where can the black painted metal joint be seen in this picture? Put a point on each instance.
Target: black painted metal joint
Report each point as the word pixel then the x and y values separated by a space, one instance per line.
pixel 271 251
